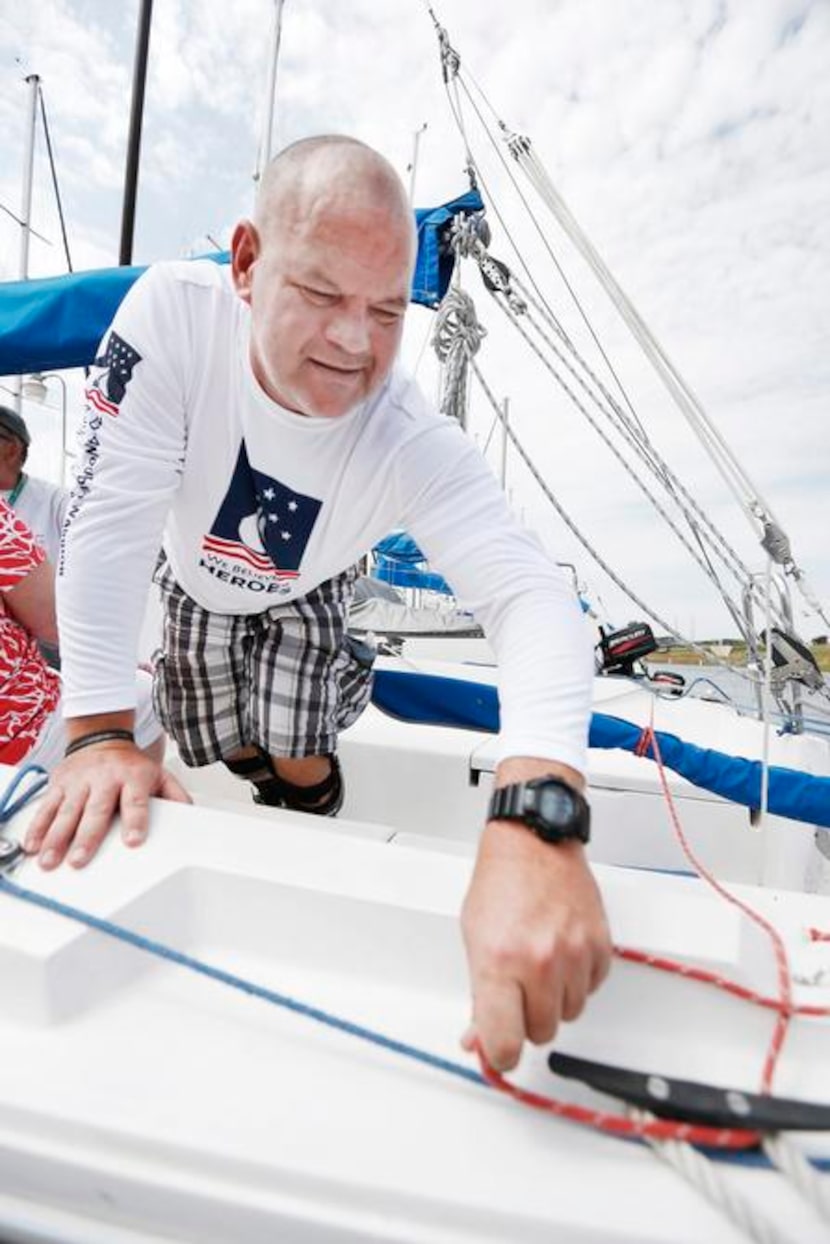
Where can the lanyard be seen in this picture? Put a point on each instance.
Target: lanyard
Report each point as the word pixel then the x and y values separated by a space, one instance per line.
pixel 17 490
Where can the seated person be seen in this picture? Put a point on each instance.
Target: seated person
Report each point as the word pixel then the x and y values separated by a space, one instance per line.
pixel 31 724
pixel 41 504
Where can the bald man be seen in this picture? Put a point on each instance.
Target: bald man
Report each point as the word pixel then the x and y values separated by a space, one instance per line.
pixel 255 424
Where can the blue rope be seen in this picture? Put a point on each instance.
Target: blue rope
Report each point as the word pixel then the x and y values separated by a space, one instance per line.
pixel 9 808
pixel 152 947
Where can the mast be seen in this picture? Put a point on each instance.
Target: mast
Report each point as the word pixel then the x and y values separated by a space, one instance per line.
pixel 264 154
pixel 413 167
pixel 125 256
pixel 33 82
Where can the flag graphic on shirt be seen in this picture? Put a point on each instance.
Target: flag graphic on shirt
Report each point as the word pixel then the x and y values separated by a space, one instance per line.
pixel 262 523
pixel 117 363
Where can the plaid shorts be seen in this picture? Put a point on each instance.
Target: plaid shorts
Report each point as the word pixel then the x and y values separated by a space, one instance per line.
pixel 287 680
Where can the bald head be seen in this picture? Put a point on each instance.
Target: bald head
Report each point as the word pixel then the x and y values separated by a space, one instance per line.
pixel 325 267
pixel 325 174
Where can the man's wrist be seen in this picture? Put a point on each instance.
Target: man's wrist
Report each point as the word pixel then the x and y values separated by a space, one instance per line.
pixel 99 736
pixel 81 727
pixel 523 768
pixel 543 799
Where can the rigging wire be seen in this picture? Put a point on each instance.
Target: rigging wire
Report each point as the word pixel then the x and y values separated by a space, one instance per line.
pixel 548 247
pixel 22 224
pixel 654 463
pixel 642 438
pixel 53 171
pixel 773 538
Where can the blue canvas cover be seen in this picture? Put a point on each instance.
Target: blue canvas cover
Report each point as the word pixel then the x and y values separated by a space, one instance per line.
pixel 399 561
pixel 433 268
pixel 435 700
pixel 57 322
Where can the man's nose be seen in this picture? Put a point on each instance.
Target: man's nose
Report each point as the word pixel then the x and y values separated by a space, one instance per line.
pixel 348 329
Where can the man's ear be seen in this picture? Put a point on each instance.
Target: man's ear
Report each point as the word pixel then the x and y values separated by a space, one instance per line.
pixel 244 253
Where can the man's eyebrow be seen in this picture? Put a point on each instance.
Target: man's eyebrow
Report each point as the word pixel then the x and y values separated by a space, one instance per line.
pixel 394 300
pixel 316 277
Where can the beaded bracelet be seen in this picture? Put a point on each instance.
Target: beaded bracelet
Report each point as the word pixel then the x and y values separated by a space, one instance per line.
pixel 99 736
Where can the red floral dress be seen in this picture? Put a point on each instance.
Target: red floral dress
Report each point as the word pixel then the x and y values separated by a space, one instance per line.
pixel 29 689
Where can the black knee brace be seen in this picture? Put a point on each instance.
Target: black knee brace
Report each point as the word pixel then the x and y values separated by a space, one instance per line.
pixel 257 769
pixel 323 799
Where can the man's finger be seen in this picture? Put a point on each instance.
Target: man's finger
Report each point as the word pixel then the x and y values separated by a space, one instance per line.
pixel 135 812
pixel 543 1003
pixel 60 833
pixel 577 986
pixel 171 788
pixel 602 962
pixel 498 1017
pixel 94 824
pixel 39 825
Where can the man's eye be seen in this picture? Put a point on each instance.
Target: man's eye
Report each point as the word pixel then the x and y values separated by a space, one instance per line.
pixel 387 316
pixel 322 298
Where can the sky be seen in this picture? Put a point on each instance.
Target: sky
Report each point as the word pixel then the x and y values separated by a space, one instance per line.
pixel 690 139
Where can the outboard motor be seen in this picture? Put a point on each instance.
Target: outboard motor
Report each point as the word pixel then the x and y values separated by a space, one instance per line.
pixel 620 649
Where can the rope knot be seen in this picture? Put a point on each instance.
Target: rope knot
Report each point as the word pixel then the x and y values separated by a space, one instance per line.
pixel 457 337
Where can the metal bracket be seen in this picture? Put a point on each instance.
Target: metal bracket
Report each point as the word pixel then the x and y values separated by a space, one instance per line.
pixel 11 854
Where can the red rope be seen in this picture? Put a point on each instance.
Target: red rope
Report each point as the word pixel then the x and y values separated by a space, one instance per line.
pixel 783 1005
pixel 619 1125
pixel 785 1000
pixel 690 972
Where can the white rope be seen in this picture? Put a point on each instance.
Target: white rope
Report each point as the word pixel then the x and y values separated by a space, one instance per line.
pixel 708 1179
pixel 733 474
pixel 457 337
pixel 791 1162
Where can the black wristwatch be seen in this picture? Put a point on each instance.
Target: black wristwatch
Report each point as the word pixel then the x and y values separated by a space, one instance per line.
pixel 547 805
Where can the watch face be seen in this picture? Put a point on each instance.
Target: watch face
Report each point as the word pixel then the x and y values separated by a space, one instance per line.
pixel 556 805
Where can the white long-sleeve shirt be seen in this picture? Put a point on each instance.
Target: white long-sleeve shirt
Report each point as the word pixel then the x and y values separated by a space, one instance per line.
pixel 256 505
pixel 42 506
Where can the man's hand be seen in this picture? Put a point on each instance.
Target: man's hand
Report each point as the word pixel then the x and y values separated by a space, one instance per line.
pixel 86 791
pixel 536 936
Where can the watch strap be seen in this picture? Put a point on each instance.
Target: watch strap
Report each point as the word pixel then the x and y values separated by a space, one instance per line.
pixel 507 803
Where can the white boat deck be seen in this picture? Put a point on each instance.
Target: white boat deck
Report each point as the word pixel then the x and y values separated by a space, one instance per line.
pixel 143 1102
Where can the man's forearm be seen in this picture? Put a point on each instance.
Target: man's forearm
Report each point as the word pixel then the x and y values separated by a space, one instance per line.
pixel 78 727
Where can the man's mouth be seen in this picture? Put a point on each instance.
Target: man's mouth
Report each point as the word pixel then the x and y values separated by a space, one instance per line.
pixel 337 369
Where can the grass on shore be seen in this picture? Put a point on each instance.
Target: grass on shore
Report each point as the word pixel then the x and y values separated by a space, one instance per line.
pixel 735 656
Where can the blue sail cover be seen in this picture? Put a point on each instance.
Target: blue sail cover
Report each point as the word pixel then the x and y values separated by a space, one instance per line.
pixel 57 322
pixel 439 701
pixel 399 561
pixel 434 265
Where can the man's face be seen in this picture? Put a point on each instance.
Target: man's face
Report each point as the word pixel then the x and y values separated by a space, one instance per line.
pixel 327 295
